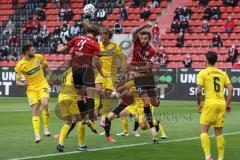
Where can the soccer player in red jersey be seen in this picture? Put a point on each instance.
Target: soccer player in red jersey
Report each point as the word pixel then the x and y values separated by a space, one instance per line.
pixel 141 63
pixel 85 51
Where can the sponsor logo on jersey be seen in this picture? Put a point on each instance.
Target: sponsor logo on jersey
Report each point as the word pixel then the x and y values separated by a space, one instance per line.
pixel 34 70
pixel 37 62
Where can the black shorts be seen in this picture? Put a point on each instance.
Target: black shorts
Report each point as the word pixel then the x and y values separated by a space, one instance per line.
pixel 83 77
pixel 118 109
pixel 146 85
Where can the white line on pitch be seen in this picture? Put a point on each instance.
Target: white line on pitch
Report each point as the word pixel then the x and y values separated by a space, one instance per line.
pixel 114 147
pixel 18 110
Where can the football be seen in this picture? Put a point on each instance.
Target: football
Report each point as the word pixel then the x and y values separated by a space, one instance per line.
pixel 89 9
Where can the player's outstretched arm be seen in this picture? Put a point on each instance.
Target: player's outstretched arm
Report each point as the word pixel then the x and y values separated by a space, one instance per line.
pixel 139 29
pixel 61 48
pixel 147 67
pixel 229 96
pixel 199 98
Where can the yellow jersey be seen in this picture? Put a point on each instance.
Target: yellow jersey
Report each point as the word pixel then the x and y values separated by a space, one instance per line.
pixel 213 80
pixel 32 70
pixel 67 87
pixel 109 56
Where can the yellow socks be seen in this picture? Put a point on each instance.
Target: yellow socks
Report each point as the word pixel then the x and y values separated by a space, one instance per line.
pixel 81 134
pixel 124 124
pixel 220 146
pixel 63 133
pixel 45 119
pixel 105 109
pixel 36 125
pixel 96 102
pixel 205 144
pixel 161 129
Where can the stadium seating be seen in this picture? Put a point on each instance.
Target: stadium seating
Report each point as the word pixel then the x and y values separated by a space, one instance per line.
pixel 197 43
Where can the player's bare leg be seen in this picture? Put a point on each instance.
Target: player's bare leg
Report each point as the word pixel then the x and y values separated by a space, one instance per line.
pixel 36 122
pixel 45 116
pixel 107 126
pixel 148 114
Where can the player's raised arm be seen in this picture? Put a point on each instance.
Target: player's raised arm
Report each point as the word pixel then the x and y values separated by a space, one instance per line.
pixel 139 29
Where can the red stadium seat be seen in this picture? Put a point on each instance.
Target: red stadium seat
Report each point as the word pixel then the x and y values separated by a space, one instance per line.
pixel 77 5
pixel 223 50
pixel 233 36
pixel 195 57
pixel 227 43
pixel 229 9
pixel 76 17
pixel 224 36
pixel 116 11
pixel 236 9
pixel 67 57
pixel 53 57
pixel 60 57
pixel 222 9
pixel 126 23
pixel 220 22
pixel 3 63
pixel 201 57
pixel 11 63
pixel 136 10
pixel 50 6
pixel 153 17
pixel 175 50
pixel 191 50
pixel 156 10
pixel 205 43
pixel 164 4
pixel 47 56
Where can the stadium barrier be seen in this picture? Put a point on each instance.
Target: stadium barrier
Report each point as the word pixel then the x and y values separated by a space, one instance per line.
pixel 172 84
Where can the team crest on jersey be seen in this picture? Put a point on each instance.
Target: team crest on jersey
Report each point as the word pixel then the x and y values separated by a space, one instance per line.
pixel 147 53
pixel 37 62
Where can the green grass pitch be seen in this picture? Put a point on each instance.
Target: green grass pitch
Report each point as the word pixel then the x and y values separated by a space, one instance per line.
pixel 180 119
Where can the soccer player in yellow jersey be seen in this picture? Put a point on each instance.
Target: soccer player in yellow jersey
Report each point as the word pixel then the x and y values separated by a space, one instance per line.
pixel 109 52
pixel 213 80
pixel 137 111
pixel 31 67
pixel 67 101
